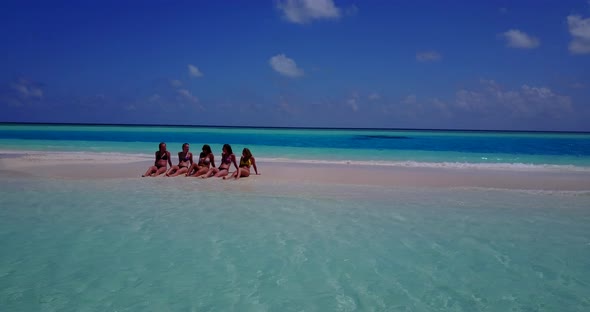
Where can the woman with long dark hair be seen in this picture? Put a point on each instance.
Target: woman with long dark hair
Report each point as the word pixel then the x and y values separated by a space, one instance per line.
pixel 185 161
pixel 227 158
pixel 206 160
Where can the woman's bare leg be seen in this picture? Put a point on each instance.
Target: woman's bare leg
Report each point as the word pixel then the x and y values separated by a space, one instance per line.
pixel 221 173
pixel 233 175
pixel 160 171
pixel 150 171
pixel 200 172
pixel 193 167
pixel 192 171
pixel 210 173
pixel 179 172
pixel 172 170
pixel 243 172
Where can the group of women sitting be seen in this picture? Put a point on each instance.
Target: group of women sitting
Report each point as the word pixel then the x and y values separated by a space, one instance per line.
pixel 205 167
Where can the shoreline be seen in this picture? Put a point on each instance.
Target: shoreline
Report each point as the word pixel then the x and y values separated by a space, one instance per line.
pixel 109 167
pixel 77 157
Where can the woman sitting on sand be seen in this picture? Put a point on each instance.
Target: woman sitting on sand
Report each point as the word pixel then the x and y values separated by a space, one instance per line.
pixel 185 161
pixel 206 160
pixel 161 163
pixel 227 158
pixel 246 161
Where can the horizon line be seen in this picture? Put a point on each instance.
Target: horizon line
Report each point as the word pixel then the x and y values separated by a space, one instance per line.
pixel 285 128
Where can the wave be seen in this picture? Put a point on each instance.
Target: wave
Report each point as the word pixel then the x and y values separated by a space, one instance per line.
pixel 444 164
pixel 77 156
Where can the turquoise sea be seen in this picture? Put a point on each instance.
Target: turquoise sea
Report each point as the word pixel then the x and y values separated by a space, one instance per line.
pixel 136 244
pixel 513 150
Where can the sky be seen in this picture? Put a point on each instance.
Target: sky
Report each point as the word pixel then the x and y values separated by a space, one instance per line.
pixel 484 65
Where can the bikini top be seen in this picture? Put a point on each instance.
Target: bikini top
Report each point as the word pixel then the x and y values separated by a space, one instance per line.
pixel 205 159
pixel 187 156
pixel 226 159
pixel 244 163
pixel 163 156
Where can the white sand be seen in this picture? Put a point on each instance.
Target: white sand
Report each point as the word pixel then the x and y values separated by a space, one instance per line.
pixel 114 167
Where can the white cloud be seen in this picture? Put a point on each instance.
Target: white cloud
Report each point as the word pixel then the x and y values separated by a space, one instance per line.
pixel 428 56
pixel 489 84
pixel 352 102
pixel 409 100
pixel 285 66
pixel 580 30
pixel 27 89
pixel 414 109
pixel 520 40
pixel 304 11
pixel 176 83
pixel 130 107
pixel 154 98
pixel 578 85
pixel 187 95
pixel 527 101
pixel 469 100
pixel 374 96
pixel 194 71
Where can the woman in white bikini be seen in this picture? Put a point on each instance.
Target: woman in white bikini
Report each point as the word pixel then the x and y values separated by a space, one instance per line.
pixel 227 158
pixel 185 161
pixel 206 160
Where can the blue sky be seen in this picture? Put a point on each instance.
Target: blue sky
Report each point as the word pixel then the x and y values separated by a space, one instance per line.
pixel 509 65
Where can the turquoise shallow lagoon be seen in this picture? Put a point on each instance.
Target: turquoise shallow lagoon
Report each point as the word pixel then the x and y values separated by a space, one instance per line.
pixel 145 245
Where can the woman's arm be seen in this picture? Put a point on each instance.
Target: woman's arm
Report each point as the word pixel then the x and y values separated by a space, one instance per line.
pixel 212 159
pixel 191 159
pixel 233 159
pixel 169 158
pixel 254 164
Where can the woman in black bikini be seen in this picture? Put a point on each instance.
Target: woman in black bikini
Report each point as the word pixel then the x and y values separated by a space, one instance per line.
pixel 161 163
pixel 227 158
pixel 185 161
pixel 206 160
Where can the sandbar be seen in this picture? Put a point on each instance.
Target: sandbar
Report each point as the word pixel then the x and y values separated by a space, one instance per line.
pixel 112 167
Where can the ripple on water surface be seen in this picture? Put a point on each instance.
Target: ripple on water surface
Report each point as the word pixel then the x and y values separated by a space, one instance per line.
pixel 137 245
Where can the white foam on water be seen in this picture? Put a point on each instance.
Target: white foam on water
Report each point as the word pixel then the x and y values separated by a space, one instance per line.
pixel 450 165
pixel 79 156
pixel 525 191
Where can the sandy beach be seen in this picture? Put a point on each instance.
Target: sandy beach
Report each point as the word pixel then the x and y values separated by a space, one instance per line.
pixel 111 167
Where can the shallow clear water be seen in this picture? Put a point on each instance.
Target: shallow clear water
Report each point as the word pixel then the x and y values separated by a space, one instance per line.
pixel 177 245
